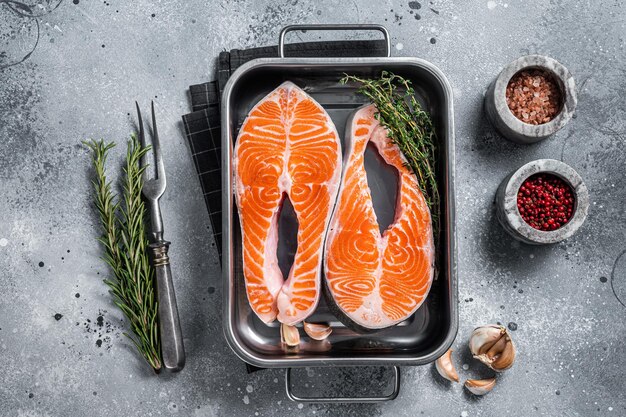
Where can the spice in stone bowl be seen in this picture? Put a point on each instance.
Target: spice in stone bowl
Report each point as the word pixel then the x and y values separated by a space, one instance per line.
pixel 531 99
pixel 545 201
pixel 534 96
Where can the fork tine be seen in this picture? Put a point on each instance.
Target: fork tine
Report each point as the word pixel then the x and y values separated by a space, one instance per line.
pixel 142 139
pixel 157 148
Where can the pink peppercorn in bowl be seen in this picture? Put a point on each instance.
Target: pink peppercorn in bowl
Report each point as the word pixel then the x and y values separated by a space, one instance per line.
pixel 542 202
pixel 531 99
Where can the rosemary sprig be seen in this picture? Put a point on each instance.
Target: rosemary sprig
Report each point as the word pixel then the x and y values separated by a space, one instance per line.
pixel 410 127
pixel 126 247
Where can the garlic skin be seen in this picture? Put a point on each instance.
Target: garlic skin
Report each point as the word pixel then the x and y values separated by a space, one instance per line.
pixel 480 386
pixel 317 331
pixel 493 346
pixel 445 367
pixel 289 335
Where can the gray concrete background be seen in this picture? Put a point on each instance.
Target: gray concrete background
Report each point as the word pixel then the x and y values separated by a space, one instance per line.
pixel 94 58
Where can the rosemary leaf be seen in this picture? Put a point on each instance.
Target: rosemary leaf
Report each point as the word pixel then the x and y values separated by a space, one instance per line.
pixel 126 247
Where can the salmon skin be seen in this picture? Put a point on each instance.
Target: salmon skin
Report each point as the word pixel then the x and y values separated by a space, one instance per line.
pixel 287 147
pixel 373 280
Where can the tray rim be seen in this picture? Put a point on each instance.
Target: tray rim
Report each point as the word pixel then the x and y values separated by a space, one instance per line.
pixel 227 189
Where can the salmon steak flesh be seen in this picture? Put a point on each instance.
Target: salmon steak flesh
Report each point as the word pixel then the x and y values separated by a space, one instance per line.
pixel 287 147
pixel 375 280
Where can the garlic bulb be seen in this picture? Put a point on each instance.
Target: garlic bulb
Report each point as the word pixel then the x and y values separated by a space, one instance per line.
pixel 445 367
pixel 492 345
pixel 289 335
pixel 480 386
pixel 317 331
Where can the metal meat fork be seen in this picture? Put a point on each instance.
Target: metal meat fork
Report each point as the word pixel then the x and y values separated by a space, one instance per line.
pixel 172 348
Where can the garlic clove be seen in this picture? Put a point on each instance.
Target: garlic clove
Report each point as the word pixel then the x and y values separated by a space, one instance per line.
pixel 484 337
pixel 507 357
pixel 317 331
pixel 289 335
pixel 497 347
pixel 445 367
pixel 493 346
pixel 480 386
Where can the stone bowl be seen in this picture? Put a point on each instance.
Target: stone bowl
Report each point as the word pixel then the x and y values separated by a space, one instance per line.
pixel 505 122
pixel 512 221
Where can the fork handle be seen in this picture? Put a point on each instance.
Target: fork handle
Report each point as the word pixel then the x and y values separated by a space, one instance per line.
pixel 172 348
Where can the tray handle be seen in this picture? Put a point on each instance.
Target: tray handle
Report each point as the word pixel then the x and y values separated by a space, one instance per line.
pixel 358 26
pixel 392 396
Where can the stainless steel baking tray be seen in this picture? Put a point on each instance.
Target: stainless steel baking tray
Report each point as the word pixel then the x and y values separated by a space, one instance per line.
pixel 431 330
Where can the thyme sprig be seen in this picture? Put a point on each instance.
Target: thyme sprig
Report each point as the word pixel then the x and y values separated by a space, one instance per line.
pixel 126 247
pixel 410 127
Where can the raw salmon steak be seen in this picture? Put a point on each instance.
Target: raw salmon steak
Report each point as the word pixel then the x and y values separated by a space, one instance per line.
pixel 377 280
pixel 287 147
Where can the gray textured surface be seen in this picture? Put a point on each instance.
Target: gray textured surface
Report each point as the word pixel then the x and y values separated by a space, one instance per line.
pixel 94 58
